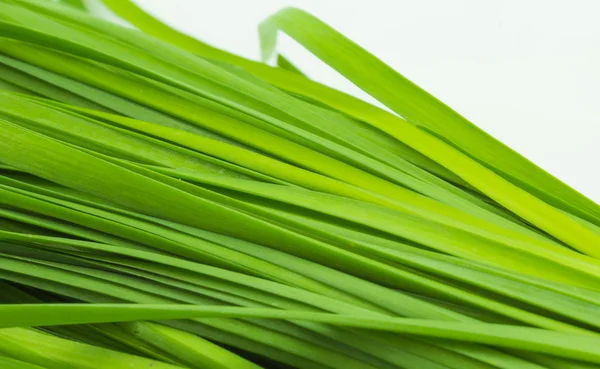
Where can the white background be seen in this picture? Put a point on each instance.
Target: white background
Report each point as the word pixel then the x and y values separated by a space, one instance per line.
pixel 527 71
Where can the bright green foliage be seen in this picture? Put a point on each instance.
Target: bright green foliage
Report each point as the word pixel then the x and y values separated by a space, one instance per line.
pixel 166 204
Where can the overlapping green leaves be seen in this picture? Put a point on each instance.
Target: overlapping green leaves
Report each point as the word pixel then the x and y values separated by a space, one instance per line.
pixel 261 219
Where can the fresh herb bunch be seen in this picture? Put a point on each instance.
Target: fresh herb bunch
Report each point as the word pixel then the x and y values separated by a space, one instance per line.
pixel 166 204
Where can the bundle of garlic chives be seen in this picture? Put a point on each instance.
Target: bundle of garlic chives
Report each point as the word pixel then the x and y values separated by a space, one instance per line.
pixel 166 204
